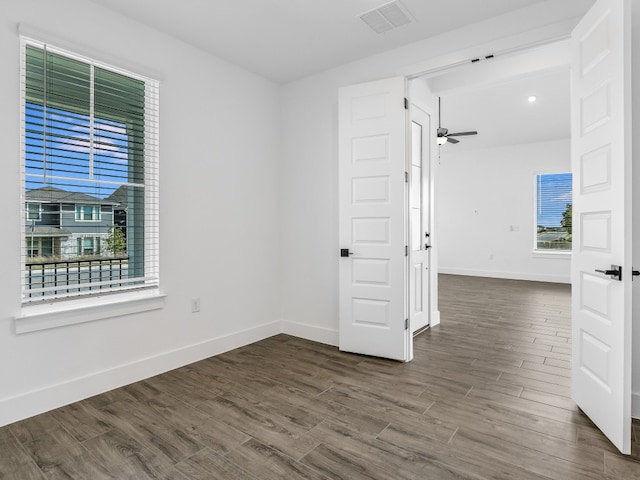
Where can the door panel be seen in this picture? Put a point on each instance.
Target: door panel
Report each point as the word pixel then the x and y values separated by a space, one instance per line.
pixel 373 225
pixel 601 164
pixel 419 253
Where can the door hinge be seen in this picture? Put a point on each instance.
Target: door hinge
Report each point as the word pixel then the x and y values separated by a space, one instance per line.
pixel 406 250
pixel 406 103
pixel 406 177
pixel 406 324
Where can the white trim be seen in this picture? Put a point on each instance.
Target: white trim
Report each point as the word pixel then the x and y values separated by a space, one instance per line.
pixel 555 255
pixel 435 318
pixel 34 318
pixel 505 46
pixel 19 407
pixel 635 405
pixel 328 336
pixel 534 277
pixel 82 51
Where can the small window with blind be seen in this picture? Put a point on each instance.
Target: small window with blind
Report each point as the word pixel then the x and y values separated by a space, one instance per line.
pixel 554 208
pixel 90 177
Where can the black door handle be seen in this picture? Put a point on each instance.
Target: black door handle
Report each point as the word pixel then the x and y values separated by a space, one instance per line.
pixel 344 252
pixel 615 272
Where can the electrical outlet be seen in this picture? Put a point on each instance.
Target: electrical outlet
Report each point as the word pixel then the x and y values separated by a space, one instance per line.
pixel 195 305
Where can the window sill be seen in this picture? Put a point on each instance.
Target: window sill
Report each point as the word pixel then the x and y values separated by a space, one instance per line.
pixel 34 318
pixel 557 255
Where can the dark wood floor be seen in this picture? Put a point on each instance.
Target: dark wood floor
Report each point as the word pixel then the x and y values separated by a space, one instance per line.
pixel 487 396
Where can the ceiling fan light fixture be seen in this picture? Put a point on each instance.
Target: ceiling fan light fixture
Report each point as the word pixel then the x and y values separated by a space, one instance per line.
pixel 442 140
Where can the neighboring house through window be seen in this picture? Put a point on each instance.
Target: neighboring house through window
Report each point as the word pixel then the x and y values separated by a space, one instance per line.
pixel 554 209
pixel 90 176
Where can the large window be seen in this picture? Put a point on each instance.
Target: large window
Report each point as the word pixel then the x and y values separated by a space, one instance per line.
pixel 554 208
pixel 89 156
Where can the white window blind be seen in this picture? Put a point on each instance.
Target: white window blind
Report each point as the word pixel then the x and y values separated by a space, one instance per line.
pixel 90 163
pixel 554 208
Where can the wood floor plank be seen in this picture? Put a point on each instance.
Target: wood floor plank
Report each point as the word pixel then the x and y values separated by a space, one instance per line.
pixel 276 432
pixel 175 442
pixel 124 457
pixel 453 462
pixel 214 434
pixel 620 467
pixel 76 464
pixel 80 420
pixel 207 465
pixel 14 460
pixel 345 454
pixel 429 426
pixel 354 418
pixel 45 439
pixel 531 460
pixel 269 464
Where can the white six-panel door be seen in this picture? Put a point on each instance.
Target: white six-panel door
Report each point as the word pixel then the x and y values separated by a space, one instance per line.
pixel 601 165
pixel 419 209
pixel 373 220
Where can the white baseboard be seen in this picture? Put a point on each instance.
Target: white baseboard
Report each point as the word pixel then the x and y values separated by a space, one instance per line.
pixel 534 277
pixel 309 332
pixel 32 403
pixel 635 405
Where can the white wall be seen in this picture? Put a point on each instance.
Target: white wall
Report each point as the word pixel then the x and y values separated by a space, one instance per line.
pixel 485 211
pixel 219 148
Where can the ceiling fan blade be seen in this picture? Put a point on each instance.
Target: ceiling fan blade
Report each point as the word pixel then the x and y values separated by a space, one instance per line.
pixel 442 132
pixel 462 134
pixel 452 140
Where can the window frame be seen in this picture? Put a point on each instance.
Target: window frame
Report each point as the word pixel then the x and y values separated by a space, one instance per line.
pixel 148 293
pixel 29 212
pixel 538 252
pixel 96 213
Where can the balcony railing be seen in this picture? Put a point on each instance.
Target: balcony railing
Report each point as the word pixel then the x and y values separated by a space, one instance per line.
pixel 61 277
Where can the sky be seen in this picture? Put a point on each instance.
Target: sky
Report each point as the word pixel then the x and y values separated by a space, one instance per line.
pixel 67 158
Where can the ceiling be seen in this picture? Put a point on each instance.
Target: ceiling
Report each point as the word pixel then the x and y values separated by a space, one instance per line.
pixel 502 115
pixel 285 40
pixel 491 98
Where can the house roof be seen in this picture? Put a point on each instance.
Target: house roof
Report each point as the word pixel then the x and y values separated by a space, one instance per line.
pixel 119 196
pixel 57 195
pixel 43 231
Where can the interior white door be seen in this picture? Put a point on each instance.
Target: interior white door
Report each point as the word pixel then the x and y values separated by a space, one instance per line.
pixel 373 220
pixel 601 164
pixel 419 231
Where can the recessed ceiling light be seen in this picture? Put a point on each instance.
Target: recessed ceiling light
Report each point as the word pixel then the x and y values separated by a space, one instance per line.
pixel 532 99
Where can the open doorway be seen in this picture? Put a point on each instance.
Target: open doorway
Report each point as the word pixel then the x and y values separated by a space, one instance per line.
pixel 501 193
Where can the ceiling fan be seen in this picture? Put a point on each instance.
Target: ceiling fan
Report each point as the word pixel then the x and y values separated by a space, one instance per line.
pixel 443 134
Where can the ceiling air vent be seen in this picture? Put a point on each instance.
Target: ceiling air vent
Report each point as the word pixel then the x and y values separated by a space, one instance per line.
pixel 387 17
